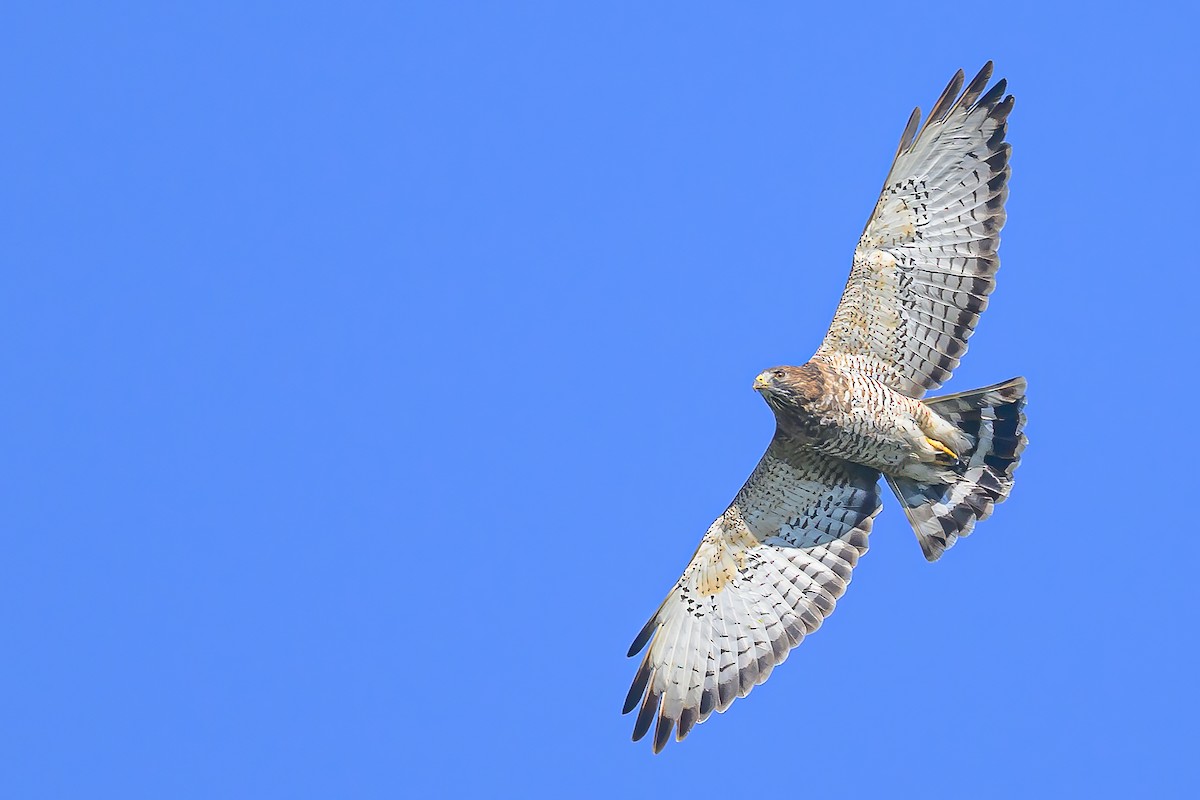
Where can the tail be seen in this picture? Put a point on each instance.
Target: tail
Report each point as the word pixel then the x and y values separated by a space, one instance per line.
pixel 994 419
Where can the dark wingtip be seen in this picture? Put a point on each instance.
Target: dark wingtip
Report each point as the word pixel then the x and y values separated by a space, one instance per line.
pixel 1004 108
pixel 687 719
pixel 994 94
pixel 646 716
pixel 640 680
pixel 975 87
pixel 662 732
pixel 910 132
pixel 643 636
pixel 944 103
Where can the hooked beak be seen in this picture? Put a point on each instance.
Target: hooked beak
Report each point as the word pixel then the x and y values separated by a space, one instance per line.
pixel 761 382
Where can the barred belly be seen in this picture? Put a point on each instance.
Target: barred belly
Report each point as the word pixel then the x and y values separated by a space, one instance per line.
pixel 869 423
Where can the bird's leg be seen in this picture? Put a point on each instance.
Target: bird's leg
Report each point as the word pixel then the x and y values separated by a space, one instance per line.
pixel 941 448
pixel 942 436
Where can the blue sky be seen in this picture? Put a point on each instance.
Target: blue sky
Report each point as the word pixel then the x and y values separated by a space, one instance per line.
pixel 371 372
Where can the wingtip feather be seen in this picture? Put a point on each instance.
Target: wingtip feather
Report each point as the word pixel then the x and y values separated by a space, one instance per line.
pixel 946 102
pixel 638 688
pixel 975 87
pixel 910 132
pixel 646 715
pixel 662 732
pixel 644 636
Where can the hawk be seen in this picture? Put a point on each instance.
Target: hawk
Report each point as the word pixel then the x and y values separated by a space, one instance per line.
pixel 770 569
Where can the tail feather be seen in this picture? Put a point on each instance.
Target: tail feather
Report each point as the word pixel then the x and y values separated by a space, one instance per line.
pixel 994 419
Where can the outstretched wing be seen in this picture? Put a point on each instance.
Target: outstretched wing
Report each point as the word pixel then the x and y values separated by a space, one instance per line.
pixel 768 571
pixel 927 260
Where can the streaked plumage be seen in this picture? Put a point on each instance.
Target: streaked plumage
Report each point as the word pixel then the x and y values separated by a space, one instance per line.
pixel 770 569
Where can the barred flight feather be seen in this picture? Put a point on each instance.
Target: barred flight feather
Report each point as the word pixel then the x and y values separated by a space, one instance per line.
pixel 933 235
pixel 794 533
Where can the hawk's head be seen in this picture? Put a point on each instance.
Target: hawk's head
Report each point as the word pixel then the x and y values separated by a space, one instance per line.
pixel 790 389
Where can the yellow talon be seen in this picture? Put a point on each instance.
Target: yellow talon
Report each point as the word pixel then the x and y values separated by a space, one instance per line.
pixel 941 448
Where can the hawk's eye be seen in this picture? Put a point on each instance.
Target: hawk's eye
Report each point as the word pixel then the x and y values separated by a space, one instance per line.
pixel 778 373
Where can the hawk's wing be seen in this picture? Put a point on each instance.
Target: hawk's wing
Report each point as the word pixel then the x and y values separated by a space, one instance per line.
pixel 927 260
pixel 767 572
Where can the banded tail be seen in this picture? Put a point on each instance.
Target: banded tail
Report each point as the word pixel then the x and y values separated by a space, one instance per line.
pixel 994 419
